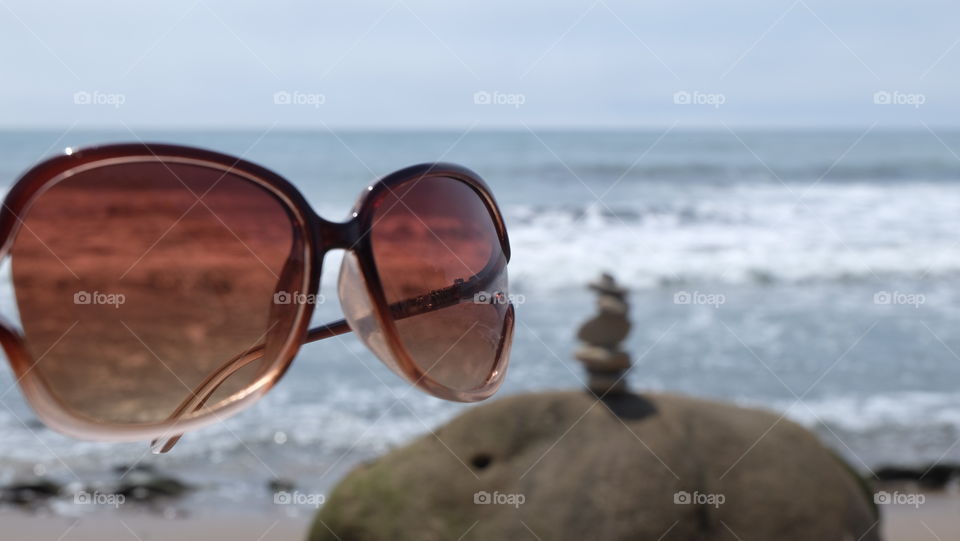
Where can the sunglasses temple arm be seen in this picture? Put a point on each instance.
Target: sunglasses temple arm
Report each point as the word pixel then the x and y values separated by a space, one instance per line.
pixel 460 291
pixel 472 290
pixel 205 389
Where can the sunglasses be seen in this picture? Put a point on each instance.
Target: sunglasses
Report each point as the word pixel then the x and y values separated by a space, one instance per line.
pixel 161 288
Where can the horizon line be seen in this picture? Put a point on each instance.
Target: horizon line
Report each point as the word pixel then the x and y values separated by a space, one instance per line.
pixel 484 129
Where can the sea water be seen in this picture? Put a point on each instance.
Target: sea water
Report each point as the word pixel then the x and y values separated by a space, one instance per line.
pixel 811 273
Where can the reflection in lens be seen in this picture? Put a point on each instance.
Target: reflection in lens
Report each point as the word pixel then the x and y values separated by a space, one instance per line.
pixel 131 291
pixel 428 235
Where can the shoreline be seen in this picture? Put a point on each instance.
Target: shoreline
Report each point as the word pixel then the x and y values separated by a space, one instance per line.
pixel 96 527
pixel 937 516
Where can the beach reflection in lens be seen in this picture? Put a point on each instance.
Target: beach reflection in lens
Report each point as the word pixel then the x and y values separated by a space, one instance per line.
pixel 428 234
pixel 131 291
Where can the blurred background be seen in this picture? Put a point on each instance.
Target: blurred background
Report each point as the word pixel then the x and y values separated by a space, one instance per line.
pixel 776 182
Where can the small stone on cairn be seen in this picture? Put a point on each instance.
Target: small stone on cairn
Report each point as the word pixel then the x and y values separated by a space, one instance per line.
pixel 600 351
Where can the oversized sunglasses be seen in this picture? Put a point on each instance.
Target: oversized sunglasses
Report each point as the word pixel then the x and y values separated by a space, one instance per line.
pixel 161 288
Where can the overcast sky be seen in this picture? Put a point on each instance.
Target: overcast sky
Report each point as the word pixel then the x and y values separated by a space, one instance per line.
pixel 500 63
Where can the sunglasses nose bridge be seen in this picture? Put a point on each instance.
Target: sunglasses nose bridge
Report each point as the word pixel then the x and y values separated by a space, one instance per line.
pixel 335 235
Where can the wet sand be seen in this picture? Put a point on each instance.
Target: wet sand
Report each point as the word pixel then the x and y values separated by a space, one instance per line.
pixel 17 525
pixel 938 518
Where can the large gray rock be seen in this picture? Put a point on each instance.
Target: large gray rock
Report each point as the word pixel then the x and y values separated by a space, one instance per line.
pixel 631 467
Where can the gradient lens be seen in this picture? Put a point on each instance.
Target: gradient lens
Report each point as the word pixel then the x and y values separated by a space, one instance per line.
pixel 427 236
pixel 137 281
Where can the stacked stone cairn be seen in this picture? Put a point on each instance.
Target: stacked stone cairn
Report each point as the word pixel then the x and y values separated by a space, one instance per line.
pixel 600 338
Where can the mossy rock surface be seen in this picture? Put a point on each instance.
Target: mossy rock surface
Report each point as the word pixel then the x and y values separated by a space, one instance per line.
pixel 612 470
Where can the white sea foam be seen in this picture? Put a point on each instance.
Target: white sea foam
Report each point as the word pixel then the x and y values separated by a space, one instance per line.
pixel 917 410
pixel 742 234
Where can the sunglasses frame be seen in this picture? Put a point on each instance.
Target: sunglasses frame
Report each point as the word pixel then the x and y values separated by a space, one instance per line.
pixel 319 237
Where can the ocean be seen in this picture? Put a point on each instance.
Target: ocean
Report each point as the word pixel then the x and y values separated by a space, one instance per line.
pixel 816 274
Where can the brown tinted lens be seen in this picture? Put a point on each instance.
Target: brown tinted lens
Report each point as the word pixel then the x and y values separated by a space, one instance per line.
pixel 131 291
pixel 427 234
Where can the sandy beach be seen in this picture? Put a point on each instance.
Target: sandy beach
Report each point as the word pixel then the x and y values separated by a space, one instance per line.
pixel 17 525
pixel 938 518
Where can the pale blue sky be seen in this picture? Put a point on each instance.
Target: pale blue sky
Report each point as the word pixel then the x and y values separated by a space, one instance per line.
pixel 418 64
